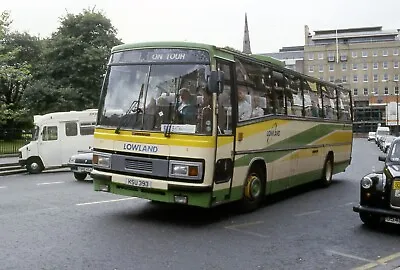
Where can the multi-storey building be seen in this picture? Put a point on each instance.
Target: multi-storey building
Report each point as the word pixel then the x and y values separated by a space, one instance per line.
pixel 291 56
pixel 365 60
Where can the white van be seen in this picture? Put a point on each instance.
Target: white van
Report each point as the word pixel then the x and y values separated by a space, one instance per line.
pixel 56 137
pixel 381 131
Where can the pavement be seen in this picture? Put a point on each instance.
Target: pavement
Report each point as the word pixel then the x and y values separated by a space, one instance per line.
pixel 8 159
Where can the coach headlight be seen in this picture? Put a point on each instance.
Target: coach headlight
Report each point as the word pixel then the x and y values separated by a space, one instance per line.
pixel 186 170
pixel 102 160
pixel 366 182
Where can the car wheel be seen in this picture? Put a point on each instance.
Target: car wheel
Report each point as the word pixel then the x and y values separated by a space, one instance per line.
pixel 34 165
pixel 254 190
pixel 80 176
pixel 370 220
pixel 327 172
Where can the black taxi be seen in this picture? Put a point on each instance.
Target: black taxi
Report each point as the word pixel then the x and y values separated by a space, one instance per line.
pixel 380 191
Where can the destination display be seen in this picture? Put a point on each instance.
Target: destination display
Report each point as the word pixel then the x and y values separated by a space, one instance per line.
pixel 161 56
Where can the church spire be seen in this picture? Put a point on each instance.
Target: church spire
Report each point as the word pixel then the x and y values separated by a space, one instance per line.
pixel 246 38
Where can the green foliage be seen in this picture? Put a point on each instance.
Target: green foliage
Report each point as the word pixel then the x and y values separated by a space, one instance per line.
pixel 76 57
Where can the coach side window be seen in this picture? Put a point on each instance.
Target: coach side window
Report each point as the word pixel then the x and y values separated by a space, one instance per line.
pixel 344 105
pixel 254 91
pixel 294 97
pixel 71 129
pixel 312 99
pixel 329 102
pixel 278 87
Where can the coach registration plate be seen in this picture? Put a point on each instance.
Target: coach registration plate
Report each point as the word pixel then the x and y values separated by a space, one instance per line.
pixel 138 183
pixel 396 185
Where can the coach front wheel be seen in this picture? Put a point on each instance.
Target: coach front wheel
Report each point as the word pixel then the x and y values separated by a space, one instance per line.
pixel 253 190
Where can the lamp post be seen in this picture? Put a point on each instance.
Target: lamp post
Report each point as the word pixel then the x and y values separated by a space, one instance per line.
pixel 397 106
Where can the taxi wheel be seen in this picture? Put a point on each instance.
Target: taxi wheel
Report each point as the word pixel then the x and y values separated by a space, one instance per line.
pixel 370 220
pixel 254 191
pixel 327 172
pixel 34 165
pixel 80 176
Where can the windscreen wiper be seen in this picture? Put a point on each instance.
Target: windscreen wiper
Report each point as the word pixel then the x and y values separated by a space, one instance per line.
pixel 134 107
pixel 167 131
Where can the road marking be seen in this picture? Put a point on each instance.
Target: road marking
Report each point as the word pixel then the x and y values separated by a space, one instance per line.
pixel 3 187
pixel 381 261
pixel 49 183
pixel 307 213
pixel 244 225
pixel 350 256
pixel 98 202
pixel 236 228
pixel 389 258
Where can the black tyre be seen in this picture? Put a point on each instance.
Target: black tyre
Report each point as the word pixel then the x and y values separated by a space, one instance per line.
pixel 327 172
pixel 253 190
pixel 34 165
pixel 370 220
pixel 80 176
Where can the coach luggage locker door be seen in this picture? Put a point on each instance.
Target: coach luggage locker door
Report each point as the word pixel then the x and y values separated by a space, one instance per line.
pixel 224 155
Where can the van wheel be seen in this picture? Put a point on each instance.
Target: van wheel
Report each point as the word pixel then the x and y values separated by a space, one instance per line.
pixel 80 176
pixel 254 191
pixel 34 165
pixel 327 172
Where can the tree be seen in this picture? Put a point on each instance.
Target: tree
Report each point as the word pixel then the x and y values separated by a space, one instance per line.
pixel 17 50
pixel 75 61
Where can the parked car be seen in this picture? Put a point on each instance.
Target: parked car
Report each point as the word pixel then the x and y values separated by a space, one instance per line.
pixel 387 142
pixel 371 136
pixel 81 165
pixel 380 191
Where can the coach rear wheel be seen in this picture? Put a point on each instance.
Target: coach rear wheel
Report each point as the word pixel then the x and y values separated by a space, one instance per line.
pixel 254 189
pixel 327 172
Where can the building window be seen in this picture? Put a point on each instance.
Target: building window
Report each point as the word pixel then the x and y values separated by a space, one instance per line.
pixel 395 51
pixel 365 91
pixel 344 78
pixel 311 56
pixel 375 65
pixel 375 92
pixel 375 77
pixel 311 68
pixel 396 64
pixel 365 77
pixel 365 66
pixel 320 55
pixel 321 78
pixel 331 79
pixel 344 66
pixel 385 65
pixel 343 57
pixel 375 53
pixel 386 90
pixel 355 78
pixel 385 52
pixel 321 68
pixel 364 54
pixel 385 77
pixel 354 66
pixel 355 92
pixel 331 67
pixel 396 77
pixel 354 54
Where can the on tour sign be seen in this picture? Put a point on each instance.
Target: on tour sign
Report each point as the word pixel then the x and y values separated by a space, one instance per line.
pixel 161 55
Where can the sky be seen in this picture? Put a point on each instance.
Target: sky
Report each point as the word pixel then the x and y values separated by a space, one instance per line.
pixel 272 24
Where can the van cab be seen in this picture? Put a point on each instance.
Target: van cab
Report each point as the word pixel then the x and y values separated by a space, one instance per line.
pixel 56 137
pixel 381 131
